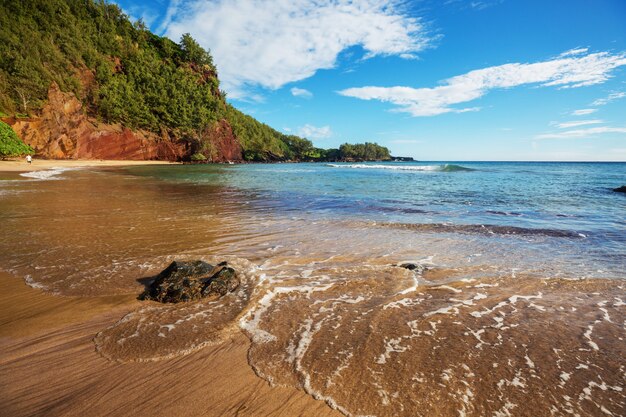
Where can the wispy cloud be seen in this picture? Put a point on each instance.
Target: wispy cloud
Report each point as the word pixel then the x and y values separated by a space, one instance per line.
pixel 577 123
pixel 583 112
pixel 314 132
pixel 172 10
pixel 574 52
pixel 608 99
pixel 576 68
pixel 582 133
pixel 301 92
pixel 269 44
pixel 475 4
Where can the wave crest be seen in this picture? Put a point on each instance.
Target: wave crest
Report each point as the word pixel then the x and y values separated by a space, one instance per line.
pixel 433 168
pixel 48 174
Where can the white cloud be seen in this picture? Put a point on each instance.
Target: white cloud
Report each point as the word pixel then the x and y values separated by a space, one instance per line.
pixel 564 72
pixel 272 43
pixel 608 99
pixel 476 5
pixel 582 133
pixel 312 132
pixel 301 92
pixel 172 10
pixel 574 52
pixel 567 125
pixel 583 112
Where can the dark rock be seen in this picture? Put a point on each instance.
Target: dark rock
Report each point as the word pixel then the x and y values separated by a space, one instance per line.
pixel 411 266
pixel 223 280
pixel 191 280
pixel 621 189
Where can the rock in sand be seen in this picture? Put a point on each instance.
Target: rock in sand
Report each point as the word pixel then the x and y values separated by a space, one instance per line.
pixel 192 280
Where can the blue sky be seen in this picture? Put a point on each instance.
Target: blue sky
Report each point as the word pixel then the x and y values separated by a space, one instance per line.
pixel 436 80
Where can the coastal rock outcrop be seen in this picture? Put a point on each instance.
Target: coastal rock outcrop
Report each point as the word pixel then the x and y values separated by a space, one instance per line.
pixel 192 280
pixel 621 189
pixel 63 130
pixel 224 145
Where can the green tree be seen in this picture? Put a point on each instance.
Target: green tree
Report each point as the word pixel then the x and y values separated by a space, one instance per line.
pixel 193 52
pixel 10 144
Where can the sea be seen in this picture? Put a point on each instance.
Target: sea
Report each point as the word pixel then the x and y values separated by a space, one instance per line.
pixel 381 288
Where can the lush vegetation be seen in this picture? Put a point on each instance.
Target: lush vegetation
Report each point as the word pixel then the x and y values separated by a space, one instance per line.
pixel 126 74
pixel 10 144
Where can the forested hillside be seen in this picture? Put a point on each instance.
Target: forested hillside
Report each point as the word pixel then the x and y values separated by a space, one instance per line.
pixel 123 74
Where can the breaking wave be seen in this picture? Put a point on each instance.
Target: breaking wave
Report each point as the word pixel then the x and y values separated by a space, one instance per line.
pixel 434 168
pixel 49 174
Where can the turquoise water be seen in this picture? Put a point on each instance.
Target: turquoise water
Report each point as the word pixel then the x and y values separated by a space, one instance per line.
pixel 567 209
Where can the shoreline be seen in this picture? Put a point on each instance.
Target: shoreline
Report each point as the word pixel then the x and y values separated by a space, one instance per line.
pixel 20 165
pixel 48 353
pixel 323 308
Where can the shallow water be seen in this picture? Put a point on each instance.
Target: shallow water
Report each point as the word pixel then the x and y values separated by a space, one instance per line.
pixel 517 309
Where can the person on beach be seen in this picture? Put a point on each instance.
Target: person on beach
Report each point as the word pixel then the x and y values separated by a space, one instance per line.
pixel 29 159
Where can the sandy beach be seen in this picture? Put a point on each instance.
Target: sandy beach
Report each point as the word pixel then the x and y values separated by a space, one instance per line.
pixel 323 322
pixel 49 366
pixel 20 165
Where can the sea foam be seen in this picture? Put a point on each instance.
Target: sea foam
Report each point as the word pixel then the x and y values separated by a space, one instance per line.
pixel 434 168
pixel 49 174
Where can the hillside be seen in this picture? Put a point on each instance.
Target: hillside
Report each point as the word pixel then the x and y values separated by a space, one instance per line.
pixel 79 80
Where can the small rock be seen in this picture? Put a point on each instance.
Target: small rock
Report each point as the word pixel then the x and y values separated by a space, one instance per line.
pixel 411 266
pixel 191 280
pixel 621 189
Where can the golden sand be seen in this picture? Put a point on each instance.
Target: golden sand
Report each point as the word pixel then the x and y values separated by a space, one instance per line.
pixel 20 165
pixel 48 366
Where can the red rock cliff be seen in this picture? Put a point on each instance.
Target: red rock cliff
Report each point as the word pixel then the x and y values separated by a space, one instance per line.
pixel 64 131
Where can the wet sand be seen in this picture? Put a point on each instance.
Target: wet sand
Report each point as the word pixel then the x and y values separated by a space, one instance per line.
pixel 322 312
pixel 49 366
pixel 20 165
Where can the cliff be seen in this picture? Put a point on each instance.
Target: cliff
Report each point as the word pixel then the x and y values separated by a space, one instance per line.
pixel 78 79
pixel 63 130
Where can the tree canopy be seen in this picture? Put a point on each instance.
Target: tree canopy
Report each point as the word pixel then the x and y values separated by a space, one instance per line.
pixel 10 144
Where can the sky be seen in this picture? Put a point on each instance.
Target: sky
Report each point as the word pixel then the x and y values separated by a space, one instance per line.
pixel 444 80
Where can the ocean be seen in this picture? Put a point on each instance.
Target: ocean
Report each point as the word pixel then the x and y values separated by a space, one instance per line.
pixel 561 219
pixel 517 291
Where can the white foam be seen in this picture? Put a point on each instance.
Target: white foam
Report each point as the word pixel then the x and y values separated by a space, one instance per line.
pixel 390 167
pixel 485 285
pixel 49 174
pixel 251 320
pixel 28 279
pixel 590 341
pixel 447 287
pixel 505 411
pixel 392 345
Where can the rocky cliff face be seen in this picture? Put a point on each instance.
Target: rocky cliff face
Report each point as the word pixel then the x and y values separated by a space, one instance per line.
pixel 64 131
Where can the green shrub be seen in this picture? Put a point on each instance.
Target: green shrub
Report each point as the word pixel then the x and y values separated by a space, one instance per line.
pixel 198 157
pixel 10 144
